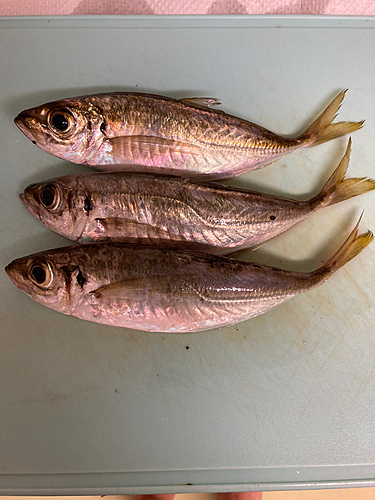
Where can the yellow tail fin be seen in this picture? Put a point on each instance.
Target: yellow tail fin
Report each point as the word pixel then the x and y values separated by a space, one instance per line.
pixel 352 247
pixel 337 188
pixel 323 130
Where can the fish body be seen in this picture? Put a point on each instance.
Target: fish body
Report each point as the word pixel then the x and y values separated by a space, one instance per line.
pixel 181 137
pixel 175 213
pixel 160 290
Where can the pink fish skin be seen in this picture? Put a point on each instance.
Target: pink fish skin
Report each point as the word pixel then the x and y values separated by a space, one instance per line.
pixel 175 213
pixel 158 134
pixel 158 290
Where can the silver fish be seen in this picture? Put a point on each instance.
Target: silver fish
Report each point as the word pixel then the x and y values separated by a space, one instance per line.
pixel 183 137
pixel 175 213
pixel 160 290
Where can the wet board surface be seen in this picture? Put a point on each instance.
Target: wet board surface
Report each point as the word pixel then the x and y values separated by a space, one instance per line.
pixel 285 400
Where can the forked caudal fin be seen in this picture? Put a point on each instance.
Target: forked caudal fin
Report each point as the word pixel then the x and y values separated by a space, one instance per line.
pixel 351 248
pixel 323 130
pixel 337 188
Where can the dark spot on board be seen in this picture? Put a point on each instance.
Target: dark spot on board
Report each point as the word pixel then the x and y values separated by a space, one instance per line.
pixel 117 392
pixel 81 280
pixel 103 126
pixel 34 142
pixel 187 348
pixel 87 205
pixel 188 484
pixel 272 217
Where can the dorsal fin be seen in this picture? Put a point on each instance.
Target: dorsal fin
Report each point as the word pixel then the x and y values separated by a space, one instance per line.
pixel 201 102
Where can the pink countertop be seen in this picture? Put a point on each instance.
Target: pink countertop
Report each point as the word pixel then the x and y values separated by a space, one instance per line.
pixel 101 7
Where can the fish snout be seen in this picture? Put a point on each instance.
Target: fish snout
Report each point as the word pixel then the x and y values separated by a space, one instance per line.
pixel 32 123
pixel 29 200
pixel 13 273
pixel 25 123
pixel 17 271
pixel 23 198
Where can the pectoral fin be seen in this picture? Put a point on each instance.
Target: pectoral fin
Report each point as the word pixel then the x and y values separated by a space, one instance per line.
pixel 133 290
pixel 139 289
pixel 151 151
pixel 147 143
pixel 126 228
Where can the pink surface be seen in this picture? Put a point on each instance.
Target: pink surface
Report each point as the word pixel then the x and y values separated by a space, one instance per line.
pixel 49 7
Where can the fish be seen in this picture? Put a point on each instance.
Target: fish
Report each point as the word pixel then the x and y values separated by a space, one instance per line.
pixel 174 212
pixel 186 137
pixel 163 290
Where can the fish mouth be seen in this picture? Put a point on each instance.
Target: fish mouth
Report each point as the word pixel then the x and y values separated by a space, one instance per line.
pixel 15 274
pixel 33 209
pixel 12 273
pixel 31 127
pixel 8 270
pixel 22 197
pixel 21 121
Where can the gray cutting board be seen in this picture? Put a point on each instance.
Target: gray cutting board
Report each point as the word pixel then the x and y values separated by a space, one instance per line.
pixel 285 400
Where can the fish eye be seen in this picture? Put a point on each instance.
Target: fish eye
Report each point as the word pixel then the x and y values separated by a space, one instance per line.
pixel 49 196
pixel 61 122
pixel 40 274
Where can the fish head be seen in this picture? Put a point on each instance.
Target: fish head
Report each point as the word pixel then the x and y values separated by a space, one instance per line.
pixel 42 277
pixel 59 204
pixel 71 129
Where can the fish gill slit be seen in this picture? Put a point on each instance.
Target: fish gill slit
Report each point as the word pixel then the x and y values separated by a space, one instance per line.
pixel 67 276
pixel 103 126
pixel 81 279
pixel 69 200
pixel 87 204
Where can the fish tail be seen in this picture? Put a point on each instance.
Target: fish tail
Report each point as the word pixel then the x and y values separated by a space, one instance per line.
pixel 323 130
pixel 337 188
pixel 353 246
